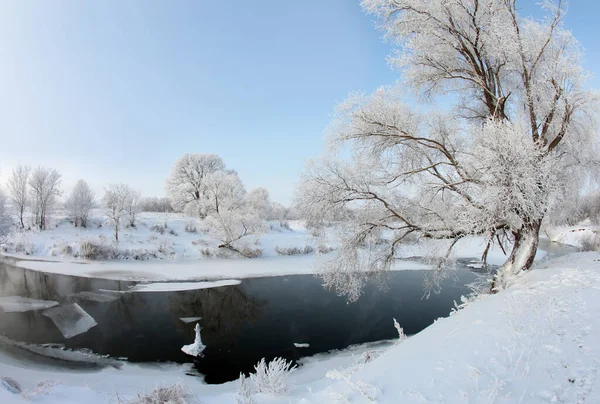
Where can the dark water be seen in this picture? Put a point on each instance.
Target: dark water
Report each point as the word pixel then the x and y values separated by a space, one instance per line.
pixel 261 317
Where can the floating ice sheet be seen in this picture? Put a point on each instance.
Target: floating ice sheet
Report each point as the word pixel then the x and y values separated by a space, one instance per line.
pixel 12 304
pixel 181 286
pixel 301 345
pixel 70 319
pixel 188 320
pixel 97 296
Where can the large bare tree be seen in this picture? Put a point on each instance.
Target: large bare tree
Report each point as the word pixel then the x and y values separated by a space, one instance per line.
pixel 521 133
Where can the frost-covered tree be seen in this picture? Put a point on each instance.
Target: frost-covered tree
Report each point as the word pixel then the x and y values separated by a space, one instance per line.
pixel 18 192
pixel 44 188
pixel 260 202
pixel 133 207
pixel 80 203
pixel 6 222
pixel 520 135
pixel 116 203
pixel 229 215
pixel 185 186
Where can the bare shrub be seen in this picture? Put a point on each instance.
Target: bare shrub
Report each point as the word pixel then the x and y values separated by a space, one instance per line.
pixel 190 227
pixel 271 378
pixel 324 249
pixel 97 251
pixel 66 250
pixel 294 250
pixel 200 242
pixel 164 246
pixel 249 252
pixel 24 246
pixel 590 242
pixel 158 228
pixel 177 393
pixel 209 252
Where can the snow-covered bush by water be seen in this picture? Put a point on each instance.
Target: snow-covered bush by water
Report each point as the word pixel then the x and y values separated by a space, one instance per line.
pixel 177 393
pixel 271 378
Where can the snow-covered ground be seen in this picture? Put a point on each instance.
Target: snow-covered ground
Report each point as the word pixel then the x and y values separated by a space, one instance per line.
pixel 180 255
pixel 538 341
pixel 577 236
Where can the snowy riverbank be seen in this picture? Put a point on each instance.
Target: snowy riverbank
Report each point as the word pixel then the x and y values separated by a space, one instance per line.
pixel 52 251
pixel 534 342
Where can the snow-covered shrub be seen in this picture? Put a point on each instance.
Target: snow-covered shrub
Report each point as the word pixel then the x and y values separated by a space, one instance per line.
pixel 210 252
pixel 367 390
pixel 177 393
pixel 190 227
pixel 244 395
pixel 41 389
pixel 200 242
pixel 164 246
pixel 172 232
pixel 324 249
pixel 97 250
pixel 590 242
pixel 23 246
pixel 157 228
pixel 249 252
pixel 294 250
pixel 271 378
pixel 66 250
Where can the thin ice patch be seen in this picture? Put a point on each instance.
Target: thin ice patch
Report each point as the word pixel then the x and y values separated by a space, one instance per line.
pixel 188 320
pixel 96 296
pixel 70 319
pixel 12 304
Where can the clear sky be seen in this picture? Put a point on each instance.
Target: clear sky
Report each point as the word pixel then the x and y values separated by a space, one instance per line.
pixel 115 91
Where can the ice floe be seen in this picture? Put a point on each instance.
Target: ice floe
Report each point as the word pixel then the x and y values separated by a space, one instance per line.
pixel 182 286
pixel 12 304
pixel 188 320
pixel 70 319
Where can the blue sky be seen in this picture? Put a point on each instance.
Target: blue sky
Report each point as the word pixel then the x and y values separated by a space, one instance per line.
pixel 115 91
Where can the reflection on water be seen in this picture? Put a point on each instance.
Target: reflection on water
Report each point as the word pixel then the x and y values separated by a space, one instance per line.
pixel 261 317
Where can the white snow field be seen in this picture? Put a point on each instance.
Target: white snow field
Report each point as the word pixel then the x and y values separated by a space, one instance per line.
pixel 535 342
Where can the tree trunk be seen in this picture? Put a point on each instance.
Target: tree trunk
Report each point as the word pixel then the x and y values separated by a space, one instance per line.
pixel 522 255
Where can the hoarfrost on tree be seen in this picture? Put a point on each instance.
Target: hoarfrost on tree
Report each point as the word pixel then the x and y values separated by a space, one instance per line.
pixel 520 136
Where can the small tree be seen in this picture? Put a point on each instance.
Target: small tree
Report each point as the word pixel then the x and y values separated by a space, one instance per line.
pixel 115 203
pixel 17 190
pixel 229 215
pixel 5 219
pixel 260 202
pixel 44 188
pixel 133 207
pixel 80 203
